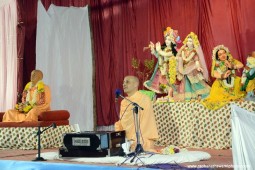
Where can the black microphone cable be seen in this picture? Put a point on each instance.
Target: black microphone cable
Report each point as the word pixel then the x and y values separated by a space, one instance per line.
pixel 125 111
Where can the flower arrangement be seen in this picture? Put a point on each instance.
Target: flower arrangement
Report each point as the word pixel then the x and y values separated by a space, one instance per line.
pixel 169 150
pixel 163 86
pixel 23 107
pixel 30 102
pixel 143 70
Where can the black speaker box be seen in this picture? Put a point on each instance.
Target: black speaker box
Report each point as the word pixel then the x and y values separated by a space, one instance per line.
pixel 63 152
pixel 92 144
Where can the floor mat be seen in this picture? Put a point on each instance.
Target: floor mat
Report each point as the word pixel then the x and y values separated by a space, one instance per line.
pixel 142 159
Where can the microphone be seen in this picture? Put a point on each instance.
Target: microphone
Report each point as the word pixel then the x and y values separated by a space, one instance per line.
pixel 54 125
pixel 117 94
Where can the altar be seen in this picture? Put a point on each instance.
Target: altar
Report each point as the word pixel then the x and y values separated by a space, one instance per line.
pixel 26 137
pixel 191 125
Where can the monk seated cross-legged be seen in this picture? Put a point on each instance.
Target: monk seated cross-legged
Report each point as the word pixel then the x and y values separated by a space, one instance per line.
pixel 36 98
pixel 147 128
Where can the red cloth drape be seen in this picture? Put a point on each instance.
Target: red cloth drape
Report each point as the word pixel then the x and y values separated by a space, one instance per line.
pixel 121 28
pixel 26 36
pixel 20 48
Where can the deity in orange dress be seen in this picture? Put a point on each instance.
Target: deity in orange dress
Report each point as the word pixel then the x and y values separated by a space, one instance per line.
pixel 36 98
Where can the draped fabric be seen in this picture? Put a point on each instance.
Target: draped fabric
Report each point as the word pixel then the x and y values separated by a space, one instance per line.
pixel 8 54
pixel 242 125
pixel 26 36
pixel 66 61
pixel 20 47
pixel 121 28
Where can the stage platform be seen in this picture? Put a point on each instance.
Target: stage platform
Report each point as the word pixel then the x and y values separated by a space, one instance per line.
pixel 21 159
pixel 184 124
pixel 191 125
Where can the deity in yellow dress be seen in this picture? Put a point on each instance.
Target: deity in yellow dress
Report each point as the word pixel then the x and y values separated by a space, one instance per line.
pixel 227 86
pixel 35 99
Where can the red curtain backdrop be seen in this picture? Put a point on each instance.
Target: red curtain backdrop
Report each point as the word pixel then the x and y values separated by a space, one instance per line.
pixel 26 37
pixel 121 28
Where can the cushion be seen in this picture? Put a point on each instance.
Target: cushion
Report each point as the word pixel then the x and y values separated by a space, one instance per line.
pixel 33 123
pixel 54 115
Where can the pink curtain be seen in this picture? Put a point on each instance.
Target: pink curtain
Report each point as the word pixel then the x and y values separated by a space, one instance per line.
pixel 121 28
pixel 8 54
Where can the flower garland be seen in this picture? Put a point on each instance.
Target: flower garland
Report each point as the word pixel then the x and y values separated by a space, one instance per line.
pixel 172 70
pixel 40 88
pixel 193 36
pixel 30 103
pixel 222 68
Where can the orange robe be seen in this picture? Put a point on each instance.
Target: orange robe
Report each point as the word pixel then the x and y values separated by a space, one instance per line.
pixel 148 128
pixel 15 116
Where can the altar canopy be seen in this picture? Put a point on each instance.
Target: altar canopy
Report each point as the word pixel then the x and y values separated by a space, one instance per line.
pixel 243 135
pixel 63 53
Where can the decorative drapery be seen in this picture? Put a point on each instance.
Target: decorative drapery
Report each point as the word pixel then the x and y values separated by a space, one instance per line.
pixel 242 125
pixel 69 73
pixel 121 29
pixel 8 54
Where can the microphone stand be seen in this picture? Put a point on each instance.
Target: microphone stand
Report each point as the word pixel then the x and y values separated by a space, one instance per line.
pixel 39 158
pixel 139 148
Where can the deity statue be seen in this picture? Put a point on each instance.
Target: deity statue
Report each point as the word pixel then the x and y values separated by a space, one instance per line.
pixel 163 78
pixel 248 77
pixel 191 71
pixel 226 87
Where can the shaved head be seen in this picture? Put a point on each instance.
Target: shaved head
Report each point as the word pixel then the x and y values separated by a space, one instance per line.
pixel 133 78
pixel 130 85
pixel 36 75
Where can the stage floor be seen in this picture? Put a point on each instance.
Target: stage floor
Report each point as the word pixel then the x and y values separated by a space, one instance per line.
pixel 219 158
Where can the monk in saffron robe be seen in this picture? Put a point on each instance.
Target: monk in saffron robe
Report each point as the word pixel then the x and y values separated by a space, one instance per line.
pixel 36 98
pixel 148 128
